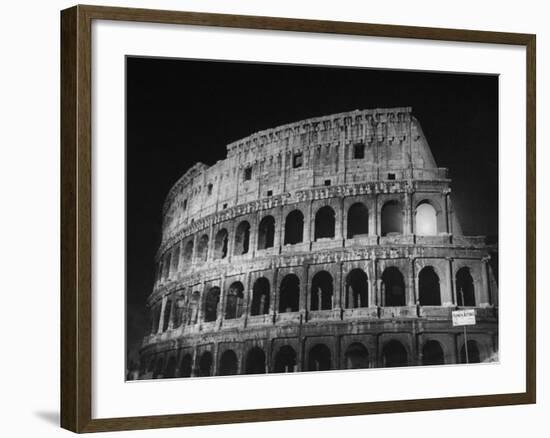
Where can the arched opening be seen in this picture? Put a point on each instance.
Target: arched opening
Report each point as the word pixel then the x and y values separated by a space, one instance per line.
pixel 392 219
pixel 175 261
pixel 255 361
pixel 324 223
pixel 159 369
pixel 188 251
pixel 319 358
pixel 229 363
pixel 220 244
pixel 356 356
pixel 394 354
pixel 285 360
pixel 202 250
pixel 358 220
pixel 242 238
pixel 321 291
pixel 167 310
pixel 186 365
pixel 170 371
pixel 211 304
pixel 192 309
pixel 426 219
pixel 357 287
pixel 473 353
pixel 428 285
pixel 234 301
pixel 205 364
pixel 393 287
pixel 167 262
pixel 289 294
pixel 432 353
pixel 294 227
pixel 465 293
pixel 266 232
pixel 260 297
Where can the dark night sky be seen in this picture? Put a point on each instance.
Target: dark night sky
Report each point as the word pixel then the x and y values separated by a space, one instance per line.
pixel 180 112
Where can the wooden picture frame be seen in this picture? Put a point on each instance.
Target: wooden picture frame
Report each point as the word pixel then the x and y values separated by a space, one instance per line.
pixel 76 218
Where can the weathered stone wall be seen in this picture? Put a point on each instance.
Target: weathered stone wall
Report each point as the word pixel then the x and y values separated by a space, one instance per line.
pixel 333 268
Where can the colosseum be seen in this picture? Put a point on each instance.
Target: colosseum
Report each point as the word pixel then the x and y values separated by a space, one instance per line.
pixel 325 244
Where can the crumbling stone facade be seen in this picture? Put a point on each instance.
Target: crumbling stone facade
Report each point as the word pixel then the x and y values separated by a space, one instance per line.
pixel 328 243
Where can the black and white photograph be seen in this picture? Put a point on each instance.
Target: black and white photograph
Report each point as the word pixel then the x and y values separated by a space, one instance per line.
pixel 287 218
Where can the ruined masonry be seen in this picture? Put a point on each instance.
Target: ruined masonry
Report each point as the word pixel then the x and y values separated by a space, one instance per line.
pixel 329 243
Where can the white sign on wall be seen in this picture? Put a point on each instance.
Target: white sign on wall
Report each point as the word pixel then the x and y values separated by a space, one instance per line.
pixel 464 317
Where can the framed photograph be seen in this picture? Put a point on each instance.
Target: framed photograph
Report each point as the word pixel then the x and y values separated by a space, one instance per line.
pixel 304 218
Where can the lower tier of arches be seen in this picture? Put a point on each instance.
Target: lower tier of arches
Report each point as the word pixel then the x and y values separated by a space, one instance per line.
pixel 392 344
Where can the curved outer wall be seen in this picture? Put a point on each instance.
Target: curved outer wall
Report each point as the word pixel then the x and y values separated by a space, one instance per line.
pixel 365 274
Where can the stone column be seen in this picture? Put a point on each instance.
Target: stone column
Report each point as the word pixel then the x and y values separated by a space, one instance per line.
pixel 375 229
pixel 302 305
pixel 412 286
pixel 161 318
pixel 273 302
pixel 448 218
pixel 279 235
pixel 337 289
pixel 253 236
pixel 409 213
pixel 221 303
pixel 202 298
pixel 484 295
pixel 448 296
pixel 339 224
pixel 247 300
pixel 373 286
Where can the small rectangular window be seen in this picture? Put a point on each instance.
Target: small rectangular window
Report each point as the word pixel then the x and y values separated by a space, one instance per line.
pixel 270 193
pixel 391 175
pixel 185 204
pixel 248 174
pixel 297 160
pixel 358 151
pixel 327 182
pixel 210 186
pixel 224 206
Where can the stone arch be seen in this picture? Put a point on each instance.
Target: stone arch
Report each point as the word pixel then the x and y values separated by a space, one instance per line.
pixel 234 300
pixel 175 260
pixel 202 248
pixel 285 360
pixel 229 364
pixel 188 251
pixel 429 292
pixel 211 302
pixel 474 355
pixel 255 361
pixel 465 289
pixel 325 223
pixel 289 294
pixel 205 364
pixel 393 287
pixel 167 311
pixel 391 218
pixel 170 371
pixel 260 297
pixel 220 244
pixel 192 308
pixel 356 356
pixel 319 358
pixel 266 232
pixel 425 219
pixel 294 227
pixel 159 368
pixel 394 354
pixel 242 238
pixel 186 365
pixel 357 287
pixel 432 353
pixel 358 220
pixel 321 294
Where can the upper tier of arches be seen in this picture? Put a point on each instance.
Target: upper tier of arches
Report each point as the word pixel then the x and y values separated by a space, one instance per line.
pixel 339 149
